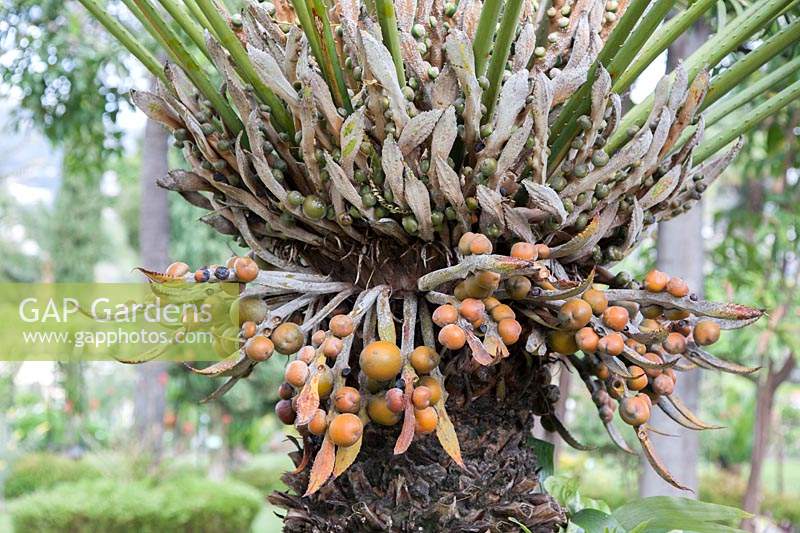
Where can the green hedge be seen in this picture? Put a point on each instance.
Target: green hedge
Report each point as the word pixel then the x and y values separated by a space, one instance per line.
pixel 264 472
pixel 93 506
pixel 43 470
pixel 727 488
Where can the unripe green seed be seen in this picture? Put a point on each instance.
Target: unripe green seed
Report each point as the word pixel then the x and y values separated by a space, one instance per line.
pixel 599 158
pixel 410 224
pixel 313 207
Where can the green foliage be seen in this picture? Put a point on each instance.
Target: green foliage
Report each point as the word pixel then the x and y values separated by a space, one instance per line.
pixel 70 84
pixel 755 258
pixel 782 508
pixel 195 242
pixel 656 514
pixel 264 472
pixel 545 453
pixel 245 404
pixel 188 504
pixel 72 90
pixel 730 401
pixel 18 266
pixel 43 470
pixel 663 513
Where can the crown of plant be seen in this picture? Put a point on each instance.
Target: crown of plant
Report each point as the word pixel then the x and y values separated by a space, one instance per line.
pixel 467 167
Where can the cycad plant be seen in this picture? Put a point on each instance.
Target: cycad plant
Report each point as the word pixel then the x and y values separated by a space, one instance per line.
pixel 433 194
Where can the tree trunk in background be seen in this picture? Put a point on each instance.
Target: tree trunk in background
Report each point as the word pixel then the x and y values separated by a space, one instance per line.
pixel 680 253
pixel 154 230
pixel 765 401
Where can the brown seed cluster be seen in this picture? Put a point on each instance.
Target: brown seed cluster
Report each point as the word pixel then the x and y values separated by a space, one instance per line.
pixel 631 350
pixel 628 344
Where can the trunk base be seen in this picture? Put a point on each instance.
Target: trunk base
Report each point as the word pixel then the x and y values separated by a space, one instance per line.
pixel 423 489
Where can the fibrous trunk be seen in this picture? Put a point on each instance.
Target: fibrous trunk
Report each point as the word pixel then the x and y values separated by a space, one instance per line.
pixel 423 489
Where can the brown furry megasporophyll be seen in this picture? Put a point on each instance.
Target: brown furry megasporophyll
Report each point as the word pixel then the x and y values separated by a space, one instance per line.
pixel 433 194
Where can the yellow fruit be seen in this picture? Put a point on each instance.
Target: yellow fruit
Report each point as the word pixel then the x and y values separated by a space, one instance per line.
pixel 452 337
pixel 675 343
pixel 248 309
pixel 325 384
pixel 575 314
pixel 341 326
pixel 480 245
pixel 677 287
pixel 379 412
pixel 347 400
pixel 487 280
pixel 318 338
pixel 490 303
pixel 345 429
pixel 246 269
pixel 395 400
pixel 597 301
pixel 663 384
pixel 425 420
pixel 431 384
pixel 445 314
pixel 639 379
pixel 424 359
pixel 563 342
pixel 509 330
pixel 306 354
pixel 654 357
pixel 518 287
pixel 524 250
pixel 655 281
pixel 421 397
pixel 471 309
pixel 296 373
pixel 249 329
pixel 706 332
pixel 634 411
pixel 381 360
pixel 464 243
pixel 258 348
pixel 332 346
pixel 288 338
pixel 542 251
pixel 612 344
pixel 319 423
pixel 616 317
pixel 502 311
pixel 587 339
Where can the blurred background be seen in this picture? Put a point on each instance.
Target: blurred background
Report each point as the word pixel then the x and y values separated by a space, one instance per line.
pixel 78 202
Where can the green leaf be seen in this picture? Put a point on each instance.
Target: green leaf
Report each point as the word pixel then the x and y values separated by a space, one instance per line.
pixel 665 513
pixel 545 452
pixel 594 521
pixel 722 14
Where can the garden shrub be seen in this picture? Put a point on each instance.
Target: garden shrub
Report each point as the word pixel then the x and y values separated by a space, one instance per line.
pixel 722 487
pixel 782 508
pixel 191 504
pixel 264 472
pixel 43 470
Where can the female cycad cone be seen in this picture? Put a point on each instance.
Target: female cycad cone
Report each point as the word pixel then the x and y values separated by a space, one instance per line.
pixel 441 188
